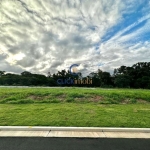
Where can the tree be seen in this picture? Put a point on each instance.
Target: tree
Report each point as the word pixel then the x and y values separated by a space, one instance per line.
pixel 49 75
pixel 143 82
pixel 26 73
pixel 2 73
pixel 95 79
pixel 135 74
pixel 122 81
pixel 105 79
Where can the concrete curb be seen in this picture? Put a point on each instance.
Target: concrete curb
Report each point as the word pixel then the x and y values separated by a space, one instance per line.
pixel 79 129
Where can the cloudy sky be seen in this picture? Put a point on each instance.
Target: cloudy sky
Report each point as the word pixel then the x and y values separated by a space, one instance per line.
pixel 50 35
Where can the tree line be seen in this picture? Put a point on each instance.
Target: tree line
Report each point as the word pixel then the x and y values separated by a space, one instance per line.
pixel 136 76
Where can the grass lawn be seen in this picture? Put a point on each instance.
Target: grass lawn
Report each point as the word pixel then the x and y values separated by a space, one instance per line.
pixel 75 107
pixel 87 115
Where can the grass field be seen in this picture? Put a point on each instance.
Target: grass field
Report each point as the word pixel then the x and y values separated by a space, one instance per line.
pixel 75 107
pixel 73 95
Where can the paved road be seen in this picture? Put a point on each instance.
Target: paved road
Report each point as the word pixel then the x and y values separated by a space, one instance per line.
pixel 73 144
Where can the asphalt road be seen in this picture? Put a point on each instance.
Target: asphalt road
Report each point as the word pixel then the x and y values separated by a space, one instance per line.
pixel 73 144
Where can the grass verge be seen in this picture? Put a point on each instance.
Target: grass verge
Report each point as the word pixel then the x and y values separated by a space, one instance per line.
pixel 75 114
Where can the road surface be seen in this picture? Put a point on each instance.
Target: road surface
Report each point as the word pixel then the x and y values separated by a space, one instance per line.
pixel 7 143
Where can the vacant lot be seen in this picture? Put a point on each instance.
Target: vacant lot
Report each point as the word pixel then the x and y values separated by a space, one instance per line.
pixel 75 107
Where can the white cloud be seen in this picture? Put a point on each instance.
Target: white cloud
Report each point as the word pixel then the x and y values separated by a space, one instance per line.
pixel 50 35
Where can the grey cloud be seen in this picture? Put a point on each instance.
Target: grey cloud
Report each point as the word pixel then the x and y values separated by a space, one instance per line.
pixel 56 64
pixel 10 68
pixel 26 62
pixel 54 34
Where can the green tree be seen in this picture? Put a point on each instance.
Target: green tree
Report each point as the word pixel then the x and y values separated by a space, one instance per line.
pixel 122 81
pixel 2 73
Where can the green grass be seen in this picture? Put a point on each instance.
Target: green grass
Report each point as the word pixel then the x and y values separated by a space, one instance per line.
pixel 71 114
pixel 76 95
pixel 75 107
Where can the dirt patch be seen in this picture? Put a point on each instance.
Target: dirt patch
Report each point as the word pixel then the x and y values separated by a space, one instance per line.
pixel 61 97
pixel 126 101
pixel 35 97
pixel 80 99
pixel 130 101
pixel 141 101
pixel 96 98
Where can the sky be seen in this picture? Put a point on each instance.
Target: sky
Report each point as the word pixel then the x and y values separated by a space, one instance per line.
pixel 44 36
